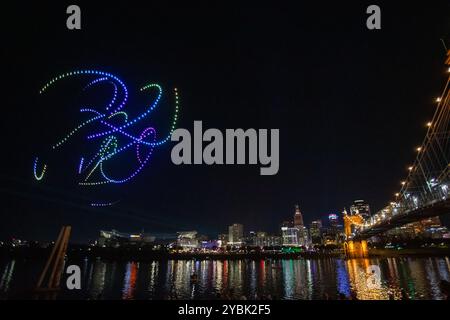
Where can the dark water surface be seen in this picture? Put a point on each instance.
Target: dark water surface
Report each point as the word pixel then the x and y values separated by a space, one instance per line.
pixel 277 279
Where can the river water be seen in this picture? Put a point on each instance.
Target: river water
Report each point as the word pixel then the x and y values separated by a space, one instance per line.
pixel 262 279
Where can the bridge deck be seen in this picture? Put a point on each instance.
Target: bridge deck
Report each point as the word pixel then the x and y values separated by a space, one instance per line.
pixel 434 209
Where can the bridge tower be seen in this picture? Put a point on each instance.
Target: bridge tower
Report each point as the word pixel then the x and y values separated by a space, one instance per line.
pixel 353 248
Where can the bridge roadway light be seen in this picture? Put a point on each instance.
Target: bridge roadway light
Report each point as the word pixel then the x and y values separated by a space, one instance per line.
pixel 418 149
pixel 429 124
pixel 410 168
pixel 403 183
pixel 438 99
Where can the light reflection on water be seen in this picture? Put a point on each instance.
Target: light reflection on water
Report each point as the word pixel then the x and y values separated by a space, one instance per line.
pixel 274 279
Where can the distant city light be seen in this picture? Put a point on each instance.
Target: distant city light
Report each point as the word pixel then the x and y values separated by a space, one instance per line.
pixel 432 182
pixel 332 216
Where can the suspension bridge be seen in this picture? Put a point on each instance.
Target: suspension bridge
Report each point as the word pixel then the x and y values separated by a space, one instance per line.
pixel 424 193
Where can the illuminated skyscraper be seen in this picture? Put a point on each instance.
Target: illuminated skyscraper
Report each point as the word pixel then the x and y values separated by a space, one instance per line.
pixel 360 207
pixel 235 234
pixel 303 237
pixel 333 218
pixel 298 218
pixel 289 236
pixel 302 232
pixel 315 231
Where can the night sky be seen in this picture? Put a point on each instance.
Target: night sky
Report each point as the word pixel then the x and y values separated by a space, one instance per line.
pixel 351 105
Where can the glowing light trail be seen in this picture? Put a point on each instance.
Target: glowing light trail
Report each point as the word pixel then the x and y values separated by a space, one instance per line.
pixel 113 125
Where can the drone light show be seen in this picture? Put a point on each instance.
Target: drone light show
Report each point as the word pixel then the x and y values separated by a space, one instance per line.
pixel 109 132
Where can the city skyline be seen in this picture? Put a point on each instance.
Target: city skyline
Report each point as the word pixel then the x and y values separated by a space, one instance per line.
pixel 219 230
pixel 325 230
pixel 216 159
pixel 296 207
pixel 332 148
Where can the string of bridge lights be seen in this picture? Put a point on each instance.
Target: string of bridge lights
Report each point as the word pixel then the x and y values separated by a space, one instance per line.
pixel 377 218
pixel 418 150
pixel 411 168
pixel 112 126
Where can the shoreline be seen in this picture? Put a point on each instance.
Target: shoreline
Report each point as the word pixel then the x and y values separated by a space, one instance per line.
pixel 139 254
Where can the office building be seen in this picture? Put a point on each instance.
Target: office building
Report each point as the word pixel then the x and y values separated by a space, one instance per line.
pixel 360 207
pixel 302 231
pixel 235 234
pixel 333 220
pixel 298 217
pixel 315 231
pixel 289 236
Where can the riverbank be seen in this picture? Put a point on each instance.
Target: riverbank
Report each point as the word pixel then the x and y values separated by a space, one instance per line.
pixel 149 254
pixel 421 252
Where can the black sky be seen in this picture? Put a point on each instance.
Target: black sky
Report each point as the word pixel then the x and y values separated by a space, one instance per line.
pixel 350 104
